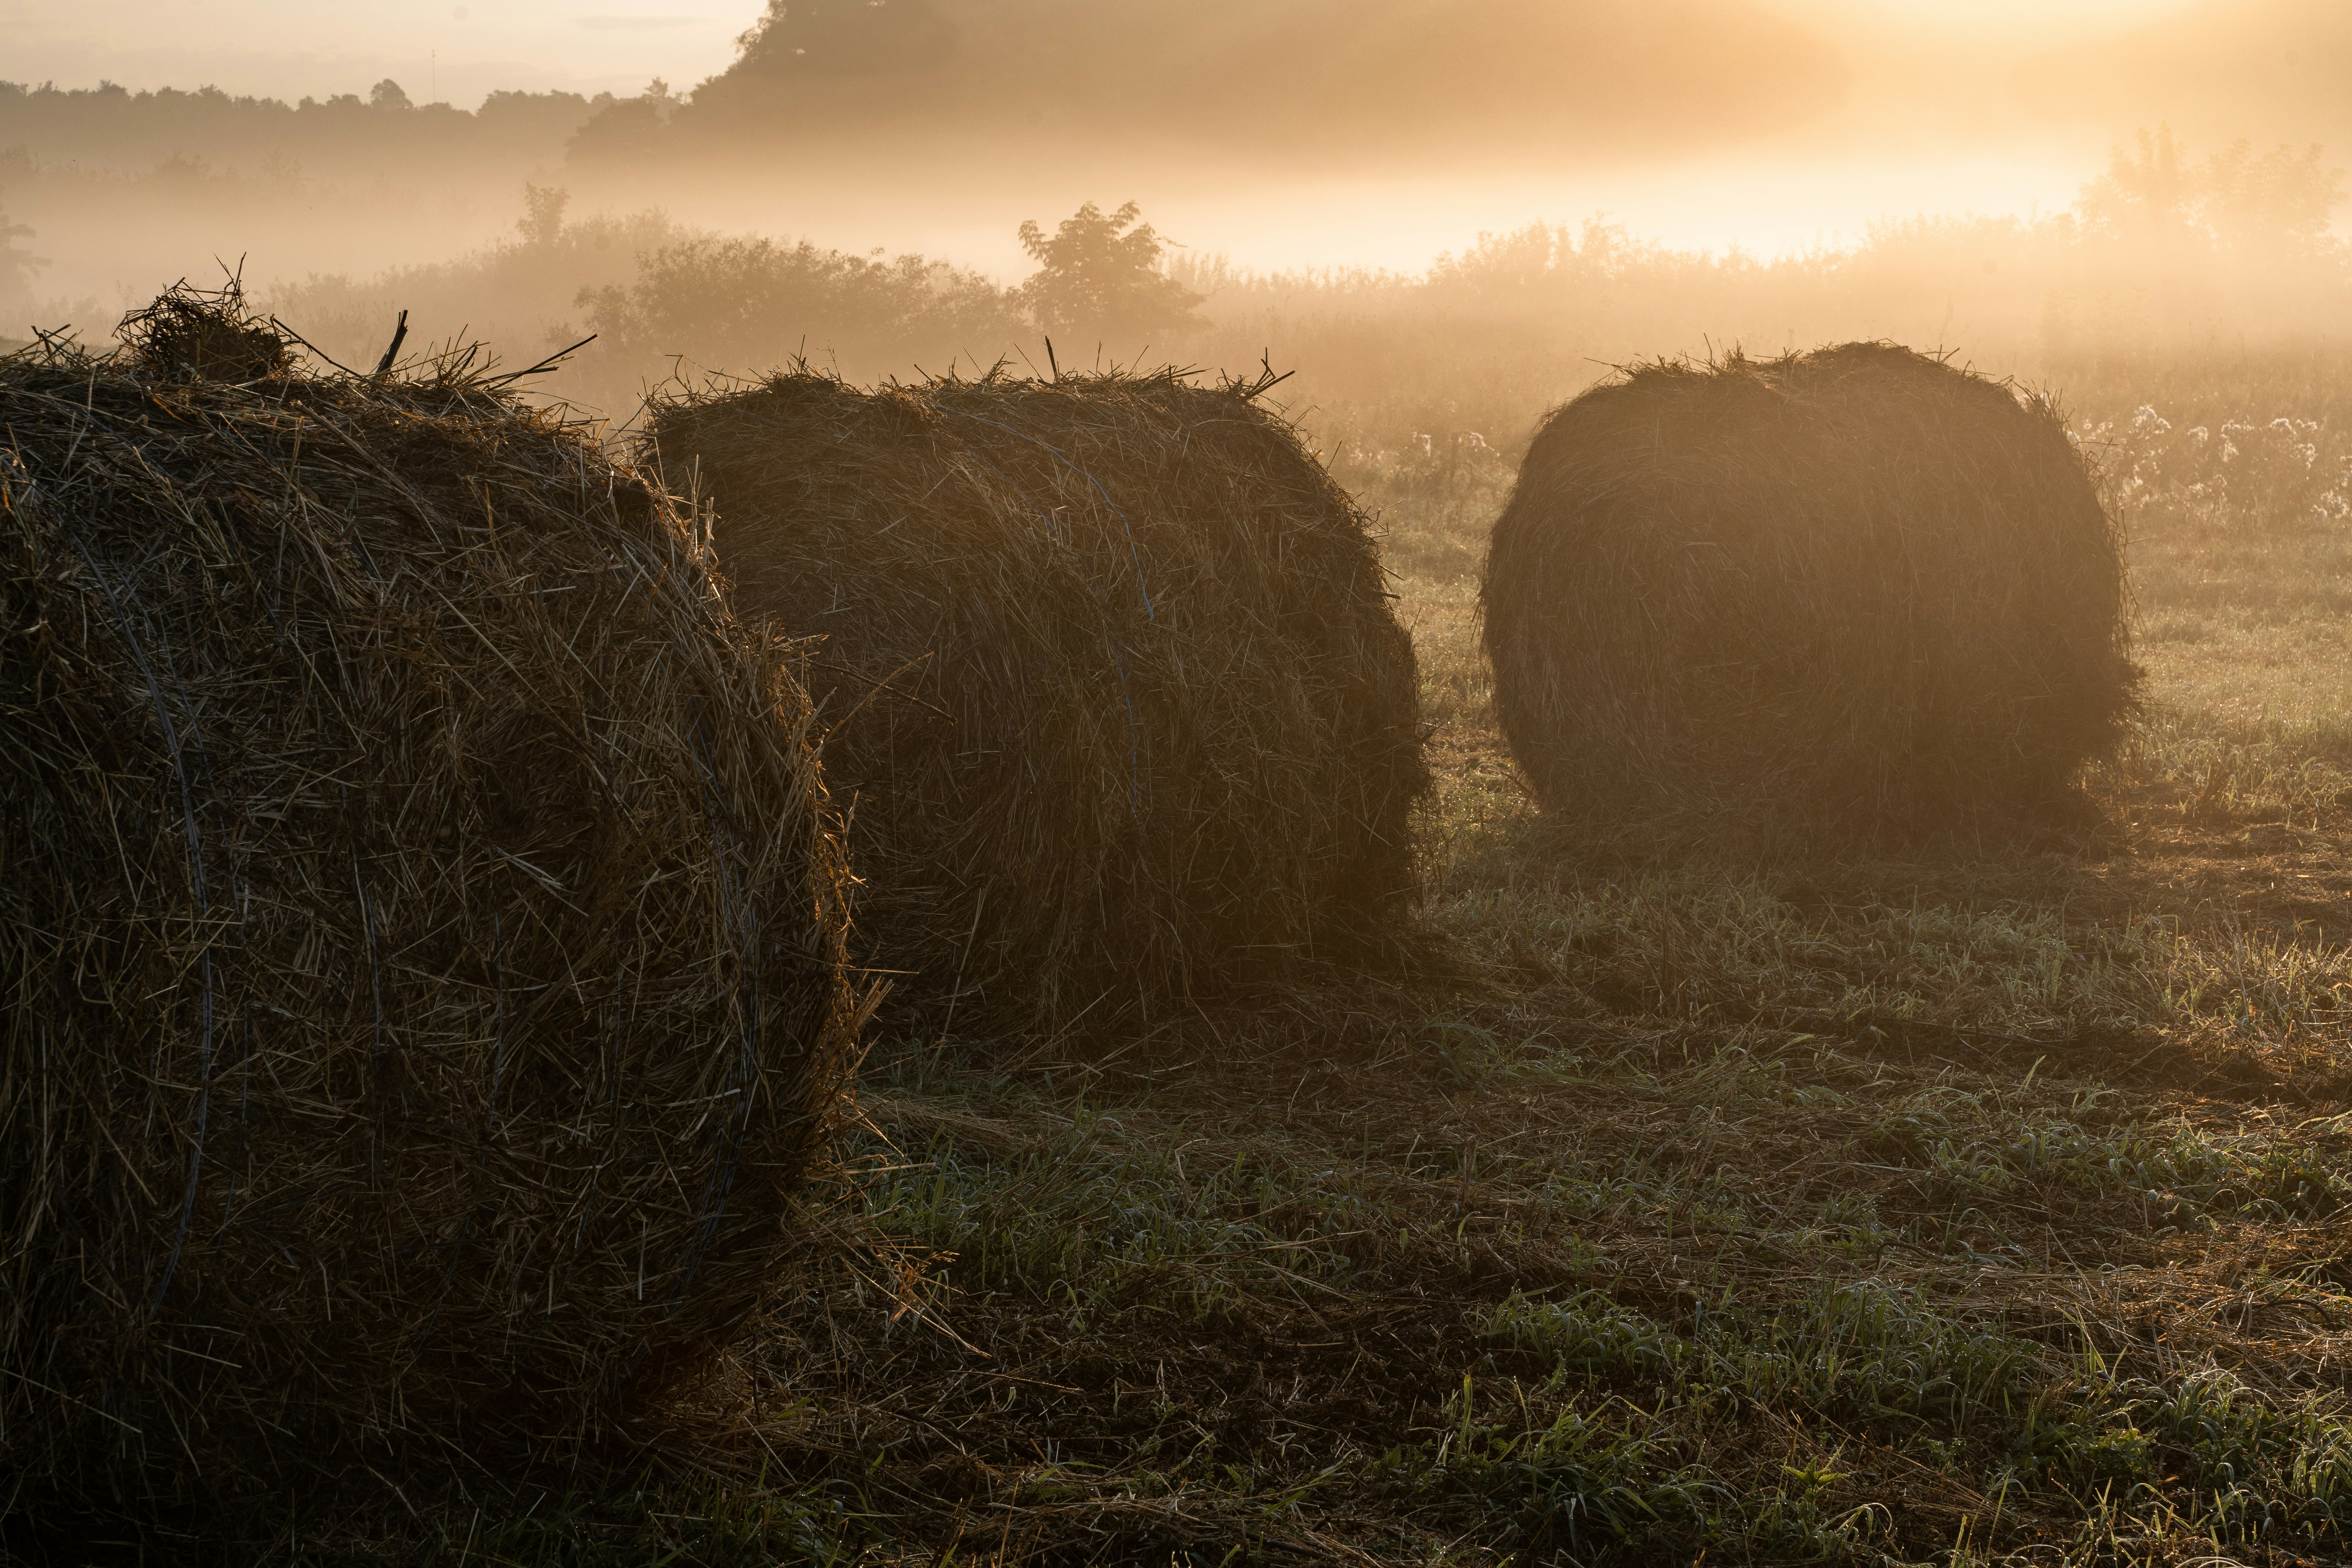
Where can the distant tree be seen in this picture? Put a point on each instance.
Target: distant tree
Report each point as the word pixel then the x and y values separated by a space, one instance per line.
pixel 1101 272
pixel 2278 200
pixel 626 130
pixel 569 107
pixel 1541 258
pixel 744 304
pixel 2153 189
pixel 542 214
pixel 387 94
pixel 842 38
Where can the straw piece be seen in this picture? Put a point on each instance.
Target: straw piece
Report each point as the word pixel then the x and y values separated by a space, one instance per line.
pixel 187 331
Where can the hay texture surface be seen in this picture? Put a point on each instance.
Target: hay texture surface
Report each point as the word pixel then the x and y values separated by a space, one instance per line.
pixel 1113 685
pixel 420 948
pixel 1857 588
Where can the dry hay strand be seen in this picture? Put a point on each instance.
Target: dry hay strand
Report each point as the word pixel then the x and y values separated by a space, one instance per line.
pixel 188 332
pixel 1858 589
pixel 1111 673
pixel 422 938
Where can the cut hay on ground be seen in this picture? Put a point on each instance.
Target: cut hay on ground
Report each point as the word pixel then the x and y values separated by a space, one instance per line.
pixel 1858 587
pixel 1115 688
pixel 420 943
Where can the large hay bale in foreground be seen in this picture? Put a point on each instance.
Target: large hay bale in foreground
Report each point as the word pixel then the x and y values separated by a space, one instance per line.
pixel 1115 690
pixel 421 946
pixel 1856 586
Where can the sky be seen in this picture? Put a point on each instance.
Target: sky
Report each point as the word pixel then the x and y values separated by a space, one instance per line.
pixel 288 49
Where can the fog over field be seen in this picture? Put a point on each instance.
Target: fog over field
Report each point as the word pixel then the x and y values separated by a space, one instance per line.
pixel 1444 216
pixel 1310 134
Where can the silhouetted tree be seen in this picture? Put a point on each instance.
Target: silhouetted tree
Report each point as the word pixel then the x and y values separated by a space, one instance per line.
pixel 2150 190
pixel 626 130
pixel 843 38
pixel 2278 200
pixel 542 212
pixel 387 94
pixel 745 304
pixel 1101 272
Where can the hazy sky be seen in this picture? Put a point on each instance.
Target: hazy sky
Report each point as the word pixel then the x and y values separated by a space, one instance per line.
pixel 1927 118
pixel 291 48
pixel 287 48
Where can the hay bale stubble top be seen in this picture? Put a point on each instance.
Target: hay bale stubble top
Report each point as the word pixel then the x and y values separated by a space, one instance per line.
pixel 1859 588
pixel 1111 673
pixel 421 945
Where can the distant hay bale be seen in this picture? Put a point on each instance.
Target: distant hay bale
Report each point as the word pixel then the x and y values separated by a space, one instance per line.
pixel 421 946
pixel 1116 696
pixel 1857 587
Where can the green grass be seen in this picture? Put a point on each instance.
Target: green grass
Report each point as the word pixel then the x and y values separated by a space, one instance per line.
pixel 1637 1293
pixel 1987 1202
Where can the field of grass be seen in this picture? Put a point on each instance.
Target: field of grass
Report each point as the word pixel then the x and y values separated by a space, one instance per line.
pixel 1987 1202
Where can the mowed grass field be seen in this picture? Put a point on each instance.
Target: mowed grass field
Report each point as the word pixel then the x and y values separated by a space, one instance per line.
pixel 1983 1203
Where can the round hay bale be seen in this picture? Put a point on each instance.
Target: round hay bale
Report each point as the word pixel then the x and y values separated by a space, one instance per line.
pixel 1116 698
pixel 421 942
pixel 1856 587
